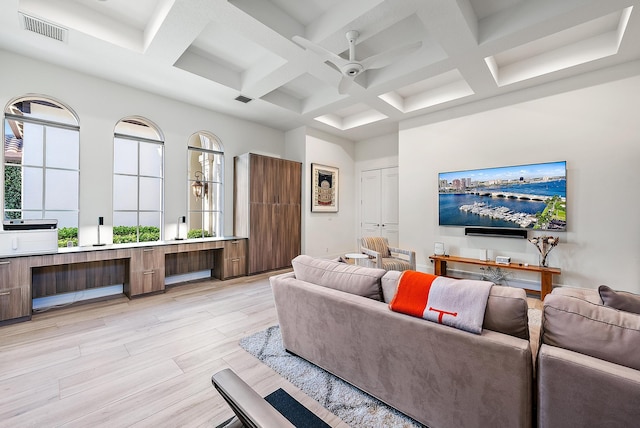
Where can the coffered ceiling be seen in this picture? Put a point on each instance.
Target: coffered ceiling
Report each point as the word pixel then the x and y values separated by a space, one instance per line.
pixel 208 52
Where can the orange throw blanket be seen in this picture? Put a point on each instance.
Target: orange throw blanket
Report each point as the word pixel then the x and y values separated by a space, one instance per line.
pixel 453 302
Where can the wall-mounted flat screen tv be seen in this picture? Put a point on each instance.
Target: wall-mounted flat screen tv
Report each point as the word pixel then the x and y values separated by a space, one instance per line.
pixel 525 196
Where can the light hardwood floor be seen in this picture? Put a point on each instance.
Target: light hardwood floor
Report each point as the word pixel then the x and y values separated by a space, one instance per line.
pixel 145 362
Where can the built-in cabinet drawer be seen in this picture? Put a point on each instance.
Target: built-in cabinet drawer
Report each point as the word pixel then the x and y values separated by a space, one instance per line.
pixel 15 296
pixel 147 271
pixel 11 303
pixel 235 258
pixel 6 278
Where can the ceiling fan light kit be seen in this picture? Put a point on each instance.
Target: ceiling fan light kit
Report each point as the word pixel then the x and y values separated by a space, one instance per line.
pixel 351 68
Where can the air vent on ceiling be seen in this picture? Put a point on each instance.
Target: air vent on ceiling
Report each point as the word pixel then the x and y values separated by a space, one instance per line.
pixel 43 28
pixel 243 99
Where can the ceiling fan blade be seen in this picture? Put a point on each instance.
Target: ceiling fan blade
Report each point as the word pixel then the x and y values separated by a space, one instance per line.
pixel 345 84
pixel 325 54
pixel 385 58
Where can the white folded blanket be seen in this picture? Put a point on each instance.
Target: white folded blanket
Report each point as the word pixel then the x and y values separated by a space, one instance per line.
pixel 457 303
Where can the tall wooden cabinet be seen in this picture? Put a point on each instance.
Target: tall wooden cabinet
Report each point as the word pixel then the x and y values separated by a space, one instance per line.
pixel 267 209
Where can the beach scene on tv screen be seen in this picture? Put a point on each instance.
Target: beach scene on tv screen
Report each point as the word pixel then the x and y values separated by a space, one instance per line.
pixel 528 196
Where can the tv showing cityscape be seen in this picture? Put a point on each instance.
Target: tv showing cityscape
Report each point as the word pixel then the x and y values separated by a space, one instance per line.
pixel 530 196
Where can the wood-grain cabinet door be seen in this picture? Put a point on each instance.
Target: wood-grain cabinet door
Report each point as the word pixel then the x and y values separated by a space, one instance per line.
pixel 147 270
pixel 288 235
pixel 289 181
pixel 15 299
pixel 262 234
pixel 262 182
pixel 235 259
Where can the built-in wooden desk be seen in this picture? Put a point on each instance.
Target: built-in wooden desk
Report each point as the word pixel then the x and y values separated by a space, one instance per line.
pixel 140 267
pixel 546 273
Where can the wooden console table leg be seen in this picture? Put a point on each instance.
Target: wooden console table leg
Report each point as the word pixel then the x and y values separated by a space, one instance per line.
pixel 546 284
pixel 439 267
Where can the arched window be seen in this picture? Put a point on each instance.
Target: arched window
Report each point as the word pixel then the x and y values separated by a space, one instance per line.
pixel 205 185
pixel 41 162
pixel 138 181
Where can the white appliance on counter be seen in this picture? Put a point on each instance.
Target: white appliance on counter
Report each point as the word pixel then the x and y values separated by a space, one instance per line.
pixel 22 237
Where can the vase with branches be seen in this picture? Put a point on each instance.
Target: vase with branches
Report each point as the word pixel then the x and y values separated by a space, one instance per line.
pixel 544 244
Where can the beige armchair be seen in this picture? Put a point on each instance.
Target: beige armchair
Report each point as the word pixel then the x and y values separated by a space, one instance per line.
pixel 386 257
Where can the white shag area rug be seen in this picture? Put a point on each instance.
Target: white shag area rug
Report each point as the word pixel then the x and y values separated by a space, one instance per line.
pixel 353 406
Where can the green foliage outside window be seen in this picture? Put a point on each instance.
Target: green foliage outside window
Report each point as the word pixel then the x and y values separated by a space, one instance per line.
pixel 126 234
pixel 198 233
pixel 66 234
pixel 12 191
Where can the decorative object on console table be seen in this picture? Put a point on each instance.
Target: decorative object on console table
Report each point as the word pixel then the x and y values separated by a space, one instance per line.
pixel 439 249
pixel 181 220
pixel 324 188
pixel 546 273
pixel 100 223
pixel 544 244
pixel 495 275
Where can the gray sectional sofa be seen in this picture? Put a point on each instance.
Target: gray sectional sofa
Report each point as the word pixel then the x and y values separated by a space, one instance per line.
pixel 588 365
pixel 336 316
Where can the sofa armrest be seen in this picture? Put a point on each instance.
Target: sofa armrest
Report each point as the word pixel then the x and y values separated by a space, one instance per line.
pixel 411 255
pixel 377 258
pixel 575 390
pixel 283 276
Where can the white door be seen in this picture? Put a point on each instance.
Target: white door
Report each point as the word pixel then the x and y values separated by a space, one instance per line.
pixel 379 204
pixel 370 203
pixel 389 205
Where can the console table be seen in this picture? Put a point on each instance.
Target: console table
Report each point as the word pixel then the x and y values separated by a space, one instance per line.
pixel 546 273
pixel 140 267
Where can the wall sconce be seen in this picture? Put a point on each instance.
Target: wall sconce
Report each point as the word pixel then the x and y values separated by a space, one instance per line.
pixel 198 188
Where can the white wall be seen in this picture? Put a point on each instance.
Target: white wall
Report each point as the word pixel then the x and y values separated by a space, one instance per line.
pixel 329 234
pixel 596 130
pixel 100 104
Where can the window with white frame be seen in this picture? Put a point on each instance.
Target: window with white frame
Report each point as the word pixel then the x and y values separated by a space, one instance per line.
pixel 205 185
pixel 138 181
pixel 41 164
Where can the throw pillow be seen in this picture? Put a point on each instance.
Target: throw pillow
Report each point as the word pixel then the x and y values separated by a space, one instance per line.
pixel 591 329
pixel 620 300
pixel 358 280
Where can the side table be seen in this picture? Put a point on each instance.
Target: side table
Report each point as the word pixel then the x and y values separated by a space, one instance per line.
pixel 358 257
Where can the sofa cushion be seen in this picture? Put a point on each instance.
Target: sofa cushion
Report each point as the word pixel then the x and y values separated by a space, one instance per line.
pixel 390 285
pixel 591 329
pixel 506 310
pixel 620 300
pixel 588 294
pixel 358 280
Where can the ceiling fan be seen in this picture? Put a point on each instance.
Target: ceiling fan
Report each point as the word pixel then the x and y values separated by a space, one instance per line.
pixel 350 68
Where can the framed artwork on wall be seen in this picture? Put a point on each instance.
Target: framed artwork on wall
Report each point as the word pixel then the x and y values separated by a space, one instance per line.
pixel 324 188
